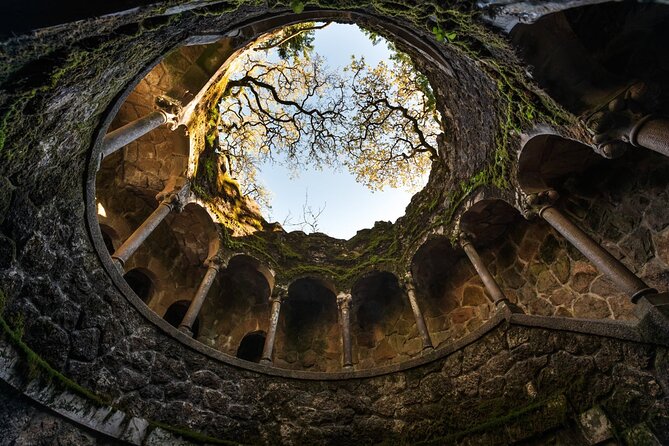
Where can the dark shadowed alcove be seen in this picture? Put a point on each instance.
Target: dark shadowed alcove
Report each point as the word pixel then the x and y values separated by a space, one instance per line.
pixel 175 314
pixel 250 349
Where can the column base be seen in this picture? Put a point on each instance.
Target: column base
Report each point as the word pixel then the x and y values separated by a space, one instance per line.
pixel 429 347
pixel 641 293
pixel 506 306
pixel 266 361
pixel 185 330
pixel 119 265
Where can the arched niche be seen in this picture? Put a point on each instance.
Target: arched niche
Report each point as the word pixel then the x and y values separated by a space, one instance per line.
pixel 546 159
pixel 487 220
pixel 432 267
pixel 141 281
pixel 110 238
pixel 195 233
pixel 449 290
pixel 309 336
pixel 175 314
pixel 584 56
pixel 251 346
pixel 382 324
pixel 239 304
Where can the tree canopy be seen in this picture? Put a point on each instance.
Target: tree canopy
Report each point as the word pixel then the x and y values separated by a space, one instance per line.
pixel 284 102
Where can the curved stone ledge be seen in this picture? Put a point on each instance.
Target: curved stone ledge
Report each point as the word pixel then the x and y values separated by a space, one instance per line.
pixel 113 423
pixel 478 386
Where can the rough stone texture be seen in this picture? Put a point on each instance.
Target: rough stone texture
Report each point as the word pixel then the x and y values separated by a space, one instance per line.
pixel 514 384
pixel 24 423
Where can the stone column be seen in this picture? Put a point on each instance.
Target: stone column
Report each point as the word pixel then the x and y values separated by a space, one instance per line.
pixel 172 201
pixel 418 315
pixel 625 279
pixel 344 304
pixel 651 133
pixel 489 281
pixel 213 266
pixel 123 136
pixel 268 348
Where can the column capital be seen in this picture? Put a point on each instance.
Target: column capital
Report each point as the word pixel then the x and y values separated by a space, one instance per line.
pixel 407 282
pixel 175 199
pixel 170 108
pixel 465 238
pixel 276 299
pixel 535 203
pixel 279 294
pixel 344 300
pixel 614 125
pixel 215 262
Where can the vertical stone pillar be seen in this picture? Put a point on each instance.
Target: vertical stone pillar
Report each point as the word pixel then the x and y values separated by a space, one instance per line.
pixel 344 304
pixel 173 201
pixel 213 266
pixel 275 311
pixel 496 293
pixel 123 136
pixel 418 315
pixel 625 279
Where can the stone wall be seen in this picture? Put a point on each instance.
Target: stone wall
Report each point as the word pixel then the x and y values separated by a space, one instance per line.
pixel 543 274
pixel 513 384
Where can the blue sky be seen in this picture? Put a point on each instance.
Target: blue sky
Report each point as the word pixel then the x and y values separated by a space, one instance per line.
pixel 349 206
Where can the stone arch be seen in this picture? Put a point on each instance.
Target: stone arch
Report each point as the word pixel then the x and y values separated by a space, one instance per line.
pixel 309 335
pixel 489 219
pixel 251 346
pixel 586 55
pixel 110 237
pixel 142 282
pixel 238 304
pixel 195 233
pixel 546 159
pixel 382 324
pixel 175 314
pixel 450 292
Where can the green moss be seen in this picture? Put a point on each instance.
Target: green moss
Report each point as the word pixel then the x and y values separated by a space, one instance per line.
pixel 38 367
pixel 192 435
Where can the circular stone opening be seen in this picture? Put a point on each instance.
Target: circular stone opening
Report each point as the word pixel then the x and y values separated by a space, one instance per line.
pixel 318 118
pixel 182 213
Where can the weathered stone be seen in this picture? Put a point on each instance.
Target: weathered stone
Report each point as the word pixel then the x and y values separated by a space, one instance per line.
pixel 595 425
pixel 638 247
pixel 661 241
pixel 602 286
pixel 549 249
pixel 528 249
pixel 461 315
pixel 561 269
pixel 85 343
pixel 473 296
pixel 506 256
pixel 384 351
pixel 7 251
pixel 591 307
pixel 540 307
pixel 546 282
pixel 641 435
pixel 49 340
pixel 562 296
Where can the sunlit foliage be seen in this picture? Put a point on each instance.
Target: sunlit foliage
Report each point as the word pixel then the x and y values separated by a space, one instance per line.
pixel 378 122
